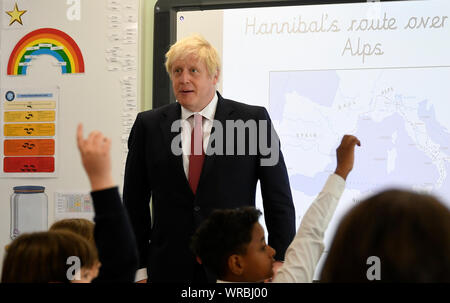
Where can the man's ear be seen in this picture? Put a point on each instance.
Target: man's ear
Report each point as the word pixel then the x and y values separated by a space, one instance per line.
pixel 236 264
pixel 216 77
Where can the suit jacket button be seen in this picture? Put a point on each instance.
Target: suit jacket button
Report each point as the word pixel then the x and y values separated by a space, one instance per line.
pixel 197 208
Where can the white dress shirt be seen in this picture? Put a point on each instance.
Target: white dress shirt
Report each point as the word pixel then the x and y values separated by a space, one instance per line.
pixel 187 124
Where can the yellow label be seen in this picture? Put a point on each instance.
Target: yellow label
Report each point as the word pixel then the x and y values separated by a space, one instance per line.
pixel 26 130
pixel 24 105
pixel 30 116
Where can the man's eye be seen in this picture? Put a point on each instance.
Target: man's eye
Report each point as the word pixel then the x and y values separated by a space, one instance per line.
pixel 194 70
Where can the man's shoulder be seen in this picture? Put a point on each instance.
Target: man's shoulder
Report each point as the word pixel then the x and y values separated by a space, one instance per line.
pixel 162 110
pixel 241 107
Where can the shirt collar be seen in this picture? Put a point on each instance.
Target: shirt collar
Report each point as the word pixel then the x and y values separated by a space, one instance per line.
pixel 208 112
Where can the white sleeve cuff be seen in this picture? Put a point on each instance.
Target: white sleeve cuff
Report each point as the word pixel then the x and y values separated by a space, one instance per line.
pixel 141 274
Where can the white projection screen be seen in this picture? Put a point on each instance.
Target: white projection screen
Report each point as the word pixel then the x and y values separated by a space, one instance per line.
pixel 377 70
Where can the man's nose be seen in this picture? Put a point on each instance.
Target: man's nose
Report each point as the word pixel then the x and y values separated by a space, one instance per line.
pixel 185 77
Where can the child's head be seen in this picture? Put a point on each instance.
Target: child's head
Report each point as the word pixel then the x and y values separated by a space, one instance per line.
pixel 408 232
pixel 231 243
pixel 43 257
pixel 82 227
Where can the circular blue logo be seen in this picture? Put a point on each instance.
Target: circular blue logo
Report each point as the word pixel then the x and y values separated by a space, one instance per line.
pixel 10 95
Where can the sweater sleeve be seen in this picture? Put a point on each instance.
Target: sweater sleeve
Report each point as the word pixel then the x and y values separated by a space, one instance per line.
pixel 114 238
pixel 304 252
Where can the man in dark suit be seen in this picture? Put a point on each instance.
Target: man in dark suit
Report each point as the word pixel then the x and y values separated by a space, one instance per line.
pixel 189 157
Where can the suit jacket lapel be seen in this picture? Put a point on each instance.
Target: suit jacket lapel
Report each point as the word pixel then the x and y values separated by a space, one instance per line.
pixel 223 111
pixel 172 114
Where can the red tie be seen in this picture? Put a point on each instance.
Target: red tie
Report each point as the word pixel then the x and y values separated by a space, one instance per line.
pixel 197 155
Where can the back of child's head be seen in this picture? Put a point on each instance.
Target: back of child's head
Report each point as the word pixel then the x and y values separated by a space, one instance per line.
pixel 224 233
pixel 408 232
pixel 82 227
pixel 42 257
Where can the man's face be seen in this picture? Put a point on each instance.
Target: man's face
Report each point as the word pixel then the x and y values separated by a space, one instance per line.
pixel 258 258
pixel 192 85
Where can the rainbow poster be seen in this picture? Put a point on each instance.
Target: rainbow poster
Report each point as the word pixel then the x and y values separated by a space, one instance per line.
pixel 46 41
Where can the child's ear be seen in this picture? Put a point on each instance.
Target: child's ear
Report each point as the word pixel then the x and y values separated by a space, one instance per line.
pixel 236 264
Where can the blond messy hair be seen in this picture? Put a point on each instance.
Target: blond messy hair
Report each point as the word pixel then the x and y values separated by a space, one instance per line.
pixel 194 45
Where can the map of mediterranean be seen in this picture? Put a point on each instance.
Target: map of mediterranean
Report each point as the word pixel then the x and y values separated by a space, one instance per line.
pixel 401 116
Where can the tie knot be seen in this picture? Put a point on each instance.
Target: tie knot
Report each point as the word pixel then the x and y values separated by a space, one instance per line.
pixel 197 119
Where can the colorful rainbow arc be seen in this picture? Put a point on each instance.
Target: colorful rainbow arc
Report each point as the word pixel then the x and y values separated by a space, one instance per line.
pixel 46 41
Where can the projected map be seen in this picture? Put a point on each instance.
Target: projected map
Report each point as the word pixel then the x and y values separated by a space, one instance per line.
pixel 317 88
pixel 398 114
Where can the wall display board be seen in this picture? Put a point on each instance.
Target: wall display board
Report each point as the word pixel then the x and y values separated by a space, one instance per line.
pixel 62 63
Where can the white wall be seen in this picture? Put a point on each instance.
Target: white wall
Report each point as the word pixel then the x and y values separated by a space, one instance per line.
pixel 94 98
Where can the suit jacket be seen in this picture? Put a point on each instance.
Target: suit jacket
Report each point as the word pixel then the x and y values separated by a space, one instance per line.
pixel 226 181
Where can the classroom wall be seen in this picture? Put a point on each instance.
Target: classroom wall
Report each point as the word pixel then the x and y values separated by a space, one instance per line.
pixel 147 19
pixel 71 175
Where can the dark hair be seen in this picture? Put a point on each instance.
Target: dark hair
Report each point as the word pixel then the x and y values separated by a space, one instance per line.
pixel 42 256
pixel 82 227
pixel 409 233
pixel 225 232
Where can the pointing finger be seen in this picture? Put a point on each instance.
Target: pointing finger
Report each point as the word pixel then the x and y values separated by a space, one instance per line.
pixel 80 135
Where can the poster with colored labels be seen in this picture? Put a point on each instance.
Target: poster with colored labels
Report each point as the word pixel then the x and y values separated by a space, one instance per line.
pixel 29 119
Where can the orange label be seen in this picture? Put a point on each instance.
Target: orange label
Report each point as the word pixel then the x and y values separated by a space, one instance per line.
pixel 32 147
